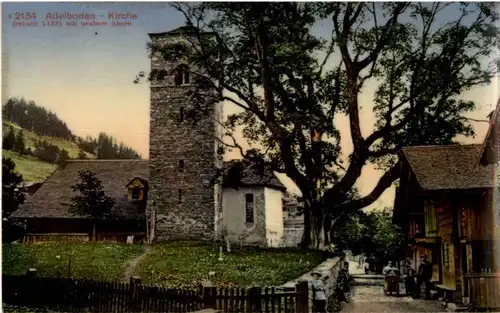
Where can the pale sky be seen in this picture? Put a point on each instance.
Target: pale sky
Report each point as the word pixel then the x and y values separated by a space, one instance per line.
pixel 85 74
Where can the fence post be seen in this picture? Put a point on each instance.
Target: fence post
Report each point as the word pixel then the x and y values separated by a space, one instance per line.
pixel 254 300
pixel 31 273
pixel 135 281
pixel 29 289
pixel 208 293
pixel 302 303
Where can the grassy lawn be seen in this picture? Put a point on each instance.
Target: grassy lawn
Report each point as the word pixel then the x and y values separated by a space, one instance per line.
pixel 89 260
pixel 30 167
pixel 166 264
pixel 185 265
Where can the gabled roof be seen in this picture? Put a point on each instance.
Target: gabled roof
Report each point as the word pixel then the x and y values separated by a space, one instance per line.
pixel 48 201
pixel 144 182
pixel 491 138
pixel 238 173
pixel 449 167
pixel 115 175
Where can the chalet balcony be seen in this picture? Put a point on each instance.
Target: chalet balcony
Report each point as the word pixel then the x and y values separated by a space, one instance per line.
pixel 484 290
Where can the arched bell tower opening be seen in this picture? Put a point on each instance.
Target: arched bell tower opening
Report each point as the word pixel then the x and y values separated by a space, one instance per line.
pixel 183 158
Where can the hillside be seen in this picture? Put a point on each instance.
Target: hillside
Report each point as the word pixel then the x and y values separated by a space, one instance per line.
pixel 31 167
pixel 30 138
pixel 37 140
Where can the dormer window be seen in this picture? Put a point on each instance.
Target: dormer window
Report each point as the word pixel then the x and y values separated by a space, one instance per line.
pixel 181 75
pixel 137 189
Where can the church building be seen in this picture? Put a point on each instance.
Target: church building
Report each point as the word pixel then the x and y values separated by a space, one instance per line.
pixel 175 189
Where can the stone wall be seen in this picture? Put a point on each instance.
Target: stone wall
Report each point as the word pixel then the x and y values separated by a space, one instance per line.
pixel 292 236
pixel 330 268
pixel 234 207
pixel 183 200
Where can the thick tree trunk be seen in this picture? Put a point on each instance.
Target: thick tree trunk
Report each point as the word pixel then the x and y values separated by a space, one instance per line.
pixel 306 237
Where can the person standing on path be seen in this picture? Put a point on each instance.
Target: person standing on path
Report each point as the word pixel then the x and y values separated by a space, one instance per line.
pixel 409 277
pixel 389 269
pixel 424 277
pixel 319 293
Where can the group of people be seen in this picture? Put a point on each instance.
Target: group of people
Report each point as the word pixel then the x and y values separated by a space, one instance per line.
pixel 413 279
pixel 319 289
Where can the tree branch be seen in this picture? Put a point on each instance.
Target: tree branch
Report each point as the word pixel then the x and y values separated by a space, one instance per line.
pixel 384 182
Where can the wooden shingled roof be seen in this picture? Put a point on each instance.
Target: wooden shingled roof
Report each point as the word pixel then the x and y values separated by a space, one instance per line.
pixel 244 174
pixel 49 200
pixel 449 167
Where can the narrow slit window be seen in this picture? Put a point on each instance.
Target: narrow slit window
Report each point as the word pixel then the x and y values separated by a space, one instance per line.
pixel 178 78
pixel 180 196
pixel 181 165
pixel 249 208
pixel 181 115
pixel 185 77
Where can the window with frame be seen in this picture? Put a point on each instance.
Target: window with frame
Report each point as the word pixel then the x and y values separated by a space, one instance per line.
pixel 181 75
pixel 249 208
pixel 136 193
pixel 430 219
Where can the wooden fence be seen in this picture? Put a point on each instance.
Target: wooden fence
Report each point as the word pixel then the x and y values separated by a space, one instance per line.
pixel 74 295
pixel 257 299
pixel 484 290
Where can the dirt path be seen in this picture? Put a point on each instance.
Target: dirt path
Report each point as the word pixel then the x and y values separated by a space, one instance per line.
pixel 370 297
pixel 132 265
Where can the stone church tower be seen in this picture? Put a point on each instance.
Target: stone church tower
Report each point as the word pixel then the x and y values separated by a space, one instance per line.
pixel 183 157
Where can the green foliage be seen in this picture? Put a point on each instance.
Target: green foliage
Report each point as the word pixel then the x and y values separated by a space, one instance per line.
pixel 88 260
pixel 187 265
pixel 12 197
pixel 19 144
pixel 91 201
pixel 372 234
pixel 37 119
pixel 64 156
pixel 81 155
pixel 9 140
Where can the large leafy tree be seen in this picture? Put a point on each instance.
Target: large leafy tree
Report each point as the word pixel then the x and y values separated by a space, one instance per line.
pixel 290 84
pixel 91 201
pixel 371 234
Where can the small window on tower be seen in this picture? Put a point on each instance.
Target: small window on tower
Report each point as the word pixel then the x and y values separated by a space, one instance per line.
pixel 181 165
pixel 180 196
pixel 181 75
pixel 181 115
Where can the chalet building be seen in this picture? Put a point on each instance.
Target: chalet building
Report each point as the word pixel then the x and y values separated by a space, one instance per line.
pixel 448 202
pixel 48 218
